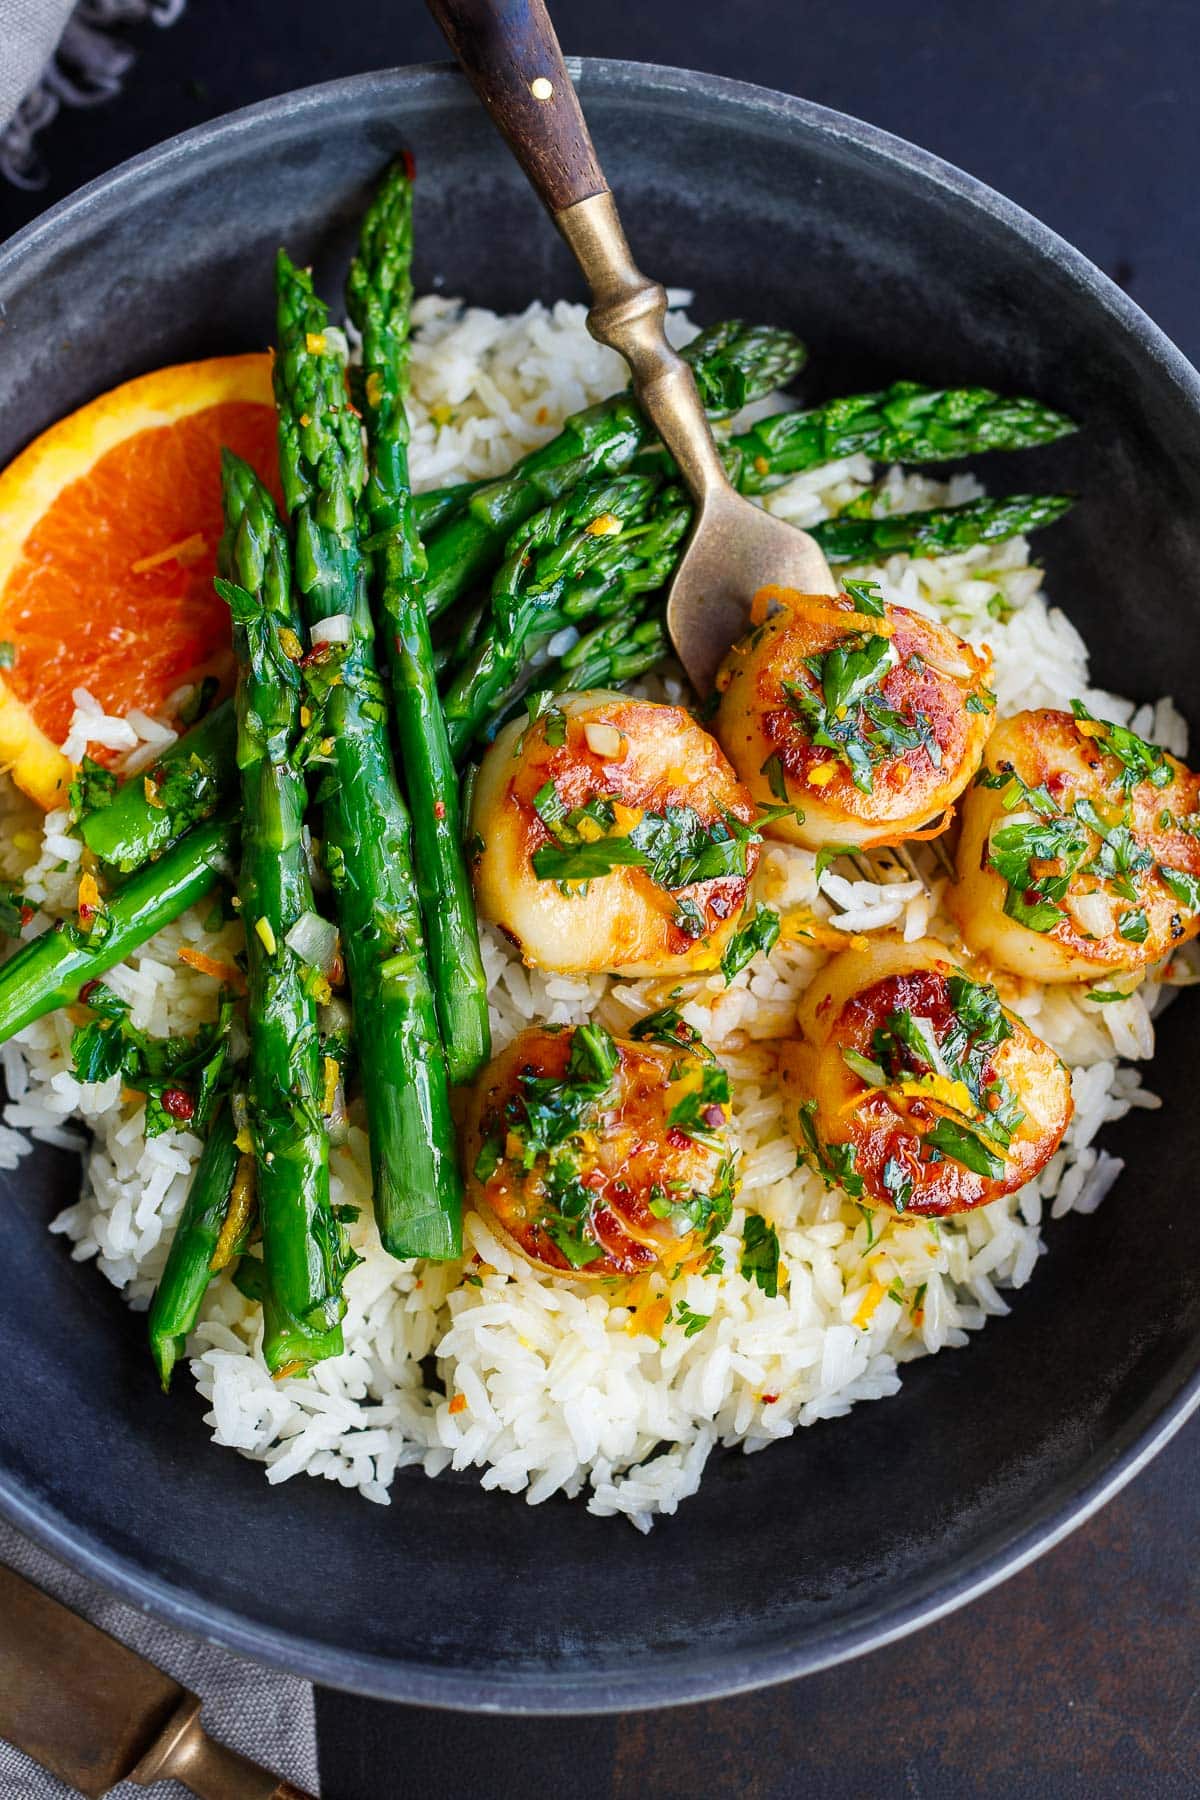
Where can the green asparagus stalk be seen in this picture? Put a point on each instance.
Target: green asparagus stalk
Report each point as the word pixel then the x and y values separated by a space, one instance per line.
pixel 368 855
pixel 304 1250
pixel 939 532
pixel 906 423
pixel 379 298
pixel 211 1223
pixel 732 364
pixel 50 970
pixel 590 553
pixel 153 810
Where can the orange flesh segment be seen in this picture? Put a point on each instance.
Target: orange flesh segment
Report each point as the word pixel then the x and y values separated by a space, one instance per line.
pixel 73 605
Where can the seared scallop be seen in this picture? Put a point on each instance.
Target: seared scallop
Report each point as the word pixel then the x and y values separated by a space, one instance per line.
pixel 601 1156
pixel 870 727
pixel 912 1087
pixel 1079 854
pixel 612 835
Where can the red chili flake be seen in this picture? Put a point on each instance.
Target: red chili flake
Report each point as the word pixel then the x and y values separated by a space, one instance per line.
pixel 410 164
pixel 439 809
pixel 677 1139
pixel 1031 896
pixel 770 1399
pixel 26 914
pixel 86 913
pixel 178 1104
pixel 337 970
pixel 713 1117
pixel 320 652
pixel 88 989
pixel 593 1179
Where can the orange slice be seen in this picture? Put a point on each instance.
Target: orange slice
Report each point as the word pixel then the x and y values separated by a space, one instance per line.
pixel 109 524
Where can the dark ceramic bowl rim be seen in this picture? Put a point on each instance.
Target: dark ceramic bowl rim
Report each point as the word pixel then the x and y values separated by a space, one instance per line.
pixel 968 1576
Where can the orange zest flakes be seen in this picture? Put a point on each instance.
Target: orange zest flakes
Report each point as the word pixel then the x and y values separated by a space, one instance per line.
pixel 150 790
pixel 917 837
pixel 237 1218
pixel 869 1304
pixel 288 1370
pixel 374 389
pixel 314 343
pixel 187 551
pixel 228 974
pixel 821 774
pixel 761 466
pixel 459 1403
pixel 606 525
pixel 332 1071
pixel 792 600
pixel 89 902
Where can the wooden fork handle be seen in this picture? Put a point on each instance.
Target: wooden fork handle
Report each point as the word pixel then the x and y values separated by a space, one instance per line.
pixel 511 56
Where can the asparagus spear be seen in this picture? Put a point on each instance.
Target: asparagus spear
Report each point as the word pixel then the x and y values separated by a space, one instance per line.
pixel 904 423
pixel 732 364
pixel 211 1226
pixel 418 1192
pixel 303 1244
pixel 50 970
pixel 379 297
pixel 939 532
pixel 151 811
pixel 591 552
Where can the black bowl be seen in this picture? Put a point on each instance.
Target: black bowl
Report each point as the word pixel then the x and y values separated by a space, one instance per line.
pixel 889 263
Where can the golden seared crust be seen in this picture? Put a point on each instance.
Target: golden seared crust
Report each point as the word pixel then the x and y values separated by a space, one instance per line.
pixel 999 1084
pixel 935 683
pixel 630 1159
pixel 1118 911
pixel 624 923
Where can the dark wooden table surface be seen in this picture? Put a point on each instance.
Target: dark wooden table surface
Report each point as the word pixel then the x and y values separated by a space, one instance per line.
pixel 1080 1677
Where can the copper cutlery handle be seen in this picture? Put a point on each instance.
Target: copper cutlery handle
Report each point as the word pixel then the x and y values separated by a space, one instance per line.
pixel 184 1752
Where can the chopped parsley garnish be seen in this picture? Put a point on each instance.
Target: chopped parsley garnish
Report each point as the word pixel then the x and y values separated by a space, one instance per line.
pixel 776 778
pixel 676 848
pixel 1185 887
pixel 94 786
pixel 192 1070
pixel 1139 760
pixel 700 1110
pixel 867 597
pixel 842 708
pixel 1106 996
pixel 1134 925
pixel 760 932
pixel 692 1322
pixel 897 1182
pixel 759 1260
pixel 829 853
pixel 668 1026
pixel 834 1163
pixel 966 1147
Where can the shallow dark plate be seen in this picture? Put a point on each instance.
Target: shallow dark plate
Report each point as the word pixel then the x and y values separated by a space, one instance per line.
pixel 889 263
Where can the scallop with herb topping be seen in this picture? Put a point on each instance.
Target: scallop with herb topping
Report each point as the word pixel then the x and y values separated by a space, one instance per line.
pixel 1080 849
pixel 868 721
pixel 611 834
pixel 912 1087
pixel 601 1156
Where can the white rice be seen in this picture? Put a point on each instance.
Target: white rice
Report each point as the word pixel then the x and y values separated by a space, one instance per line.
pixel 546 1386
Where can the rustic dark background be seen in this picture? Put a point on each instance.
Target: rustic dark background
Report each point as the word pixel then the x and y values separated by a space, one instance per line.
pixel 1080 1677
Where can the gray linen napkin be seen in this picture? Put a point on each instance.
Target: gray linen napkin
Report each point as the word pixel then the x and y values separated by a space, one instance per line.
pixel 264 1715
pixel 61 53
